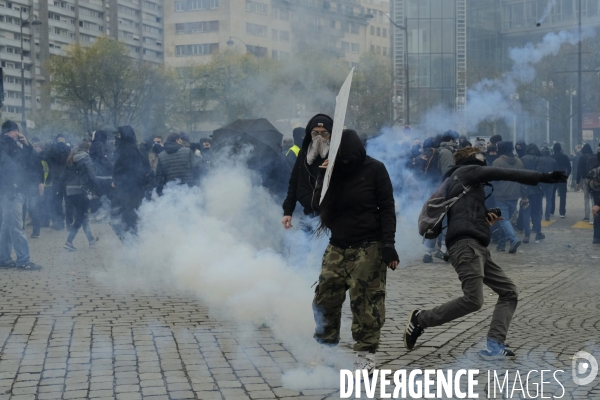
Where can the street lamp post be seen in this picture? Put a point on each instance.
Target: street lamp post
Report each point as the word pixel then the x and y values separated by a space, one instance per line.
pixel 23 23
pixel 406 88
pixel 256 54
pixel 547 87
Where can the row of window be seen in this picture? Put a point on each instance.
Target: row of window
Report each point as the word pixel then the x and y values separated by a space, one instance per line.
pixel 379 50
pixel 58 17
pixel 152 6
pixel 352 47
pixel 280 13
pixel 15 80
pixel 192 5
pixel 256 30
pixel 379 31
pixel 64 5
pixel 91 13
pixel 15 95
pixel 196 49
pixel 128 11
pixel 10 50
pixel 197 27
pixel 11 109
pixel 14 65
pixel 90 25
pixel 10 20
pixel 254 7
pixel 284 36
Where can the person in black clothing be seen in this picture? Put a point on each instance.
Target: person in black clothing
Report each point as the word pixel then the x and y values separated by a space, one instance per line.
pixel 35 182
pixel 99 154
pixel 564 165
pixel 535 195
pixel 547 164
pixel 81 186
pixel 176 163
pixel 131 176
pixel 596 208
pixel 587 162
pixel 56 157
pixel 358 209
pixel 302 184
pixel 521 148
pixel 468 237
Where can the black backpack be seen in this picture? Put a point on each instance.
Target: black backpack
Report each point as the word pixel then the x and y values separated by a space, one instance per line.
pixel 593 178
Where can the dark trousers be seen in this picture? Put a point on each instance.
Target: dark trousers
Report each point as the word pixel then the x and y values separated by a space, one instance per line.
pixel 475 268
pixel 561 188
pixel 81 205
pixel 596 197
pixel 533 213
pixel 123 218
pixel 548 194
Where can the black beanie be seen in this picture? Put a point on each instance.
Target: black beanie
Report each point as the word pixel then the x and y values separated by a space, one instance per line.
pixel 9 126
pixel 495 139
pixel 505 148
pixel 320 120
pixel 557 148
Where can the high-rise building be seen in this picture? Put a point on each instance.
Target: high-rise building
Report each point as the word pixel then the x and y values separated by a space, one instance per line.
pixel 433 40
pixel 58 23
pixel 194 29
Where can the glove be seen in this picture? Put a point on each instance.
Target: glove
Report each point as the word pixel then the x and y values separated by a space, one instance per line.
pixel 389 254
pixel 554 177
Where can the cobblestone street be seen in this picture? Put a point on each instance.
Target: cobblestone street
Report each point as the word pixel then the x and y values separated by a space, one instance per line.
pixel 64 335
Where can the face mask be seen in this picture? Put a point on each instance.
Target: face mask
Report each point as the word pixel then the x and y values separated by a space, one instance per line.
pixel 318 147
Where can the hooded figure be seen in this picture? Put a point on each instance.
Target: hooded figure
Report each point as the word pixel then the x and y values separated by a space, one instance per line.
pixel 302 184
pixel 587 162
pixel 358 210
pixel 564 165
pixel 447 147
pixel 100 155
pixel 507 194
pixel 521 148
pixel 131 175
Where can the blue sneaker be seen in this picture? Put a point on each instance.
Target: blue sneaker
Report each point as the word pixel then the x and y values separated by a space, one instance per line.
pixel 496 351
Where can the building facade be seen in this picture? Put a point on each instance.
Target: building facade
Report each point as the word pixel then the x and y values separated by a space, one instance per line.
pixel 194 29
pixel 137 23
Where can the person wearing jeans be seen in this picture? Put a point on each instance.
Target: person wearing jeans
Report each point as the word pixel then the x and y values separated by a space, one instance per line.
pixel 16 155
pixel 508 207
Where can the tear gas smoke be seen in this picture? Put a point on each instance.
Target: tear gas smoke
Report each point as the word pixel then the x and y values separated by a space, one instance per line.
pixel 546 12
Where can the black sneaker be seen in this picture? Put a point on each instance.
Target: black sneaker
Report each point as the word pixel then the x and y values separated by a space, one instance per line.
pixel 413 330
pixel 9 265
pixel 514 247
pixel 496 351
pixel 30 266
pixel 526 239
pixel 427 258
pixel 442 256
pixel 539 236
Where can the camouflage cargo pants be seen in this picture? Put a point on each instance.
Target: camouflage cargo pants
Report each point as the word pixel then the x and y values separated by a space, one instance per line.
pixel 361 271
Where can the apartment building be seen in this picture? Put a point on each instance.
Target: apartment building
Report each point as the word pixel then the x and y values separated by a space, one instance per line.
pixel 194 29
pixel 137 23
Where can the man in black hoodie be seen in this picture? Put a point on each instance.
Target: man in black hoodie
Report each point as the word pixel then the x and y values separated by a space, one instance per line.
pixel 586 163
pixel 547 164
pixel 468 237
pixel 56 157
pixel 131 176
pixel 99 154
pixel 358 209
pixel 564 165
pixel 302 185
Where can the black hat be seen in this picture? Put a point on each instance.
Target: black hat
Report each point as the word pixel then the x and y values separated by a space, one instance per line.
pixel 450 135
pixel 298 135
pixel 321 120
pixel 9 126
pixel 495 139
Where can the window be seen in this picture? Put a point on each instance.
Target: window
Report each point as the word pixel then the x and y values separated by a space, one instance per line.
pixel 384 32
pixel 332 23
pixel 345 26
pixel 372 30
pixel 128 11
pixel 180 6
pixel 284 36
pixel 280 13
pixel 274 34
pixel 151 6
pixel 349 10
pixel 196 27
pixel 257 30
pixel 354 28
pixel 258 8
pixel 196 49
pixel 378 31
pixel 152 29
pixel 345 46
pixel 193 5
pixel 354 47
pixel 385 51
pixel 86 11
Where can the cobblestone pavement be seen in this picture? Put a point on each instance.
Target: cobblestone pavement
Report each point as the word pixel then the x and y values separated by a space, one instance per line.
pixel 66 336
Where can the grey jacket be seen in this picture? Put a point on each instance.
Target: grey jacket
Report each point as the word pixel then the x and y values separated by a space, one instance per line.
pixel 509 190
pixel 176 162
pixel 79 178
pixel 446 158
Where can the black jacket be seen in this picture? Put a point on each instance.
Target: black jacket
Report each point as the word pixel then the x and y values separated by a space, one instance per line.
pixel 587 162
pixel 563 162
pixel 100 155
pixel 531 162
pixel 547 164
pixel 132 172
pixel 79 177
pixel 17 170
pixel 56 157
pixel 364 202
pixel 303 181
pixel 467 218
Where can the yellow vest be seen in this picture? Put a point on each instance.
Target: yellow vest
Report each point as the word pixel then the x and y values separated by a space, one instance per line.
pixel 295 149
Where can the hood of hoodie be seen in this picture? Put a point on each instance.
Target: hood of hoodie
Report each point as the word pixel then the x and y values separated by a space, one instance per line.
pixel 80 155
pixel 449 146
pixel 521 148
pixel 505 148
pixel 99 136
pixel 172 147
pixel 586 149
pixel 127 135
pixel 351 153
pixel 557 148
pixel 533 150
pixel 307 136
